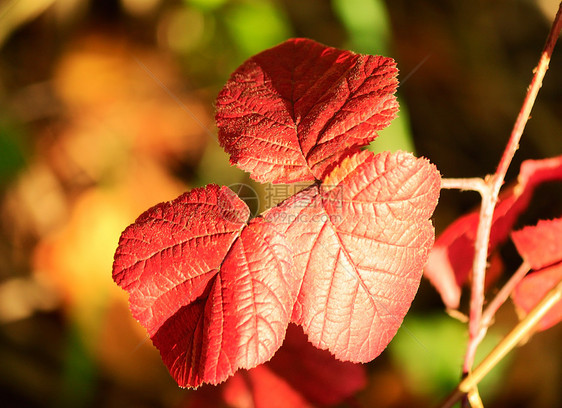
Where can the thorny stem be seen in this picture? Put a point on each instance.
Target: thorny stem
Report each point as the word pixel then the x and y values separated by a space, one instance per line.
pixel 478 277
pixel 519 332
pixel 490 196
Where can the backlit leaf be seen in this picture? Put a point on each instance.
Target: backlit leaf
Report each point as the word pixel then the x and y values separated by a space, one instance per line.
pixel 214 294
pixel 318 370
pixel 292 112
pixel 530 291
pixel 450 260
pixel 540 245
pixel 360 241
pixel 299 376
pixel 342 258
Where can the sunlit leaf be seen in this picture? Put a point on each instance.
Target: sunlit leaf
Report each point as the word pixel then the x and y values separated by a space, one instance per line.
pixel 292 112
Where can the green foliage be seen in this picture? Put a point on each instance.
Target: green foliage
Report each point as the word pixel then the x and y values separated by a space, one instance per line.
pixel 368 27
pixel 12 155
pixel 256 25
pixel 430 350
pixel 367 24
pixel 209 5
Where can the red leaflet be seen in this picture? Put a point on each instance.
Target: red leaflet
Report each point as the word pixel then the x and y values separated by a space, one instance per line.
pixel 320 378
pixel 450 260
pixel 262 388
pixel 159 260
pixel 360 240
pixel 292 112
pixel 299 375
pixel 541 247
pixel 533 288
pixel 214 295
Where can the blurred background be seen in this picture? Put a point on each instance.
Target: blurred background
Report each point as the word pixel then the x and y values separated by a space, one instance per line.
pixel 106 108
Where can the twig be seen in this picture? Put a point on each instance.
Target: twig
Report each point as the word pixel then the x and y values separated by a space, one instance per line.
pixel 503 294
pixel 478 278
pixel 489 200
pixel 465 184
pixel 519 332
pixel 490 312
pixel 529 101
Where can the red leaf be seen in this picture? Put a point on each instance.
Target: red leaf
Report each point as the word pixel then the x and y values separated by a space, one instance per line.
pixel 292 112
pixel 299 375
pixel 450 260
pixel 159 241
pixel 262 388
pixel 214 295
pixel 360 240
pixel 530 291
pixel 540 245
pixel 315 373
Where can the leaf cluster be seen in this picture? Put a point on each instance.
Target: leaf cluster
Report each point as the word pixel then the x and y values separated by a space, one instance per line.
pixel 343 258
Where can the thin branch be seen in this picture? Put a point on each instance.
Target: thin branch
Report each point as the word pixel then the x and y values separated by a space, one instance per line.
pixel 519 332
pixel 465 184
pixel 529 101
pixel 489 200
pixel 503 294
pixel 478 278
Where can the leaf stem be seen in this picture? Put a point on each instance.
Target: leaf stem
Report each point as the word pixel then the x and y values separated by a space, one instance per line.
pixel 490 195
pixel 503 294
pixel 519 332
pixel 465 184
